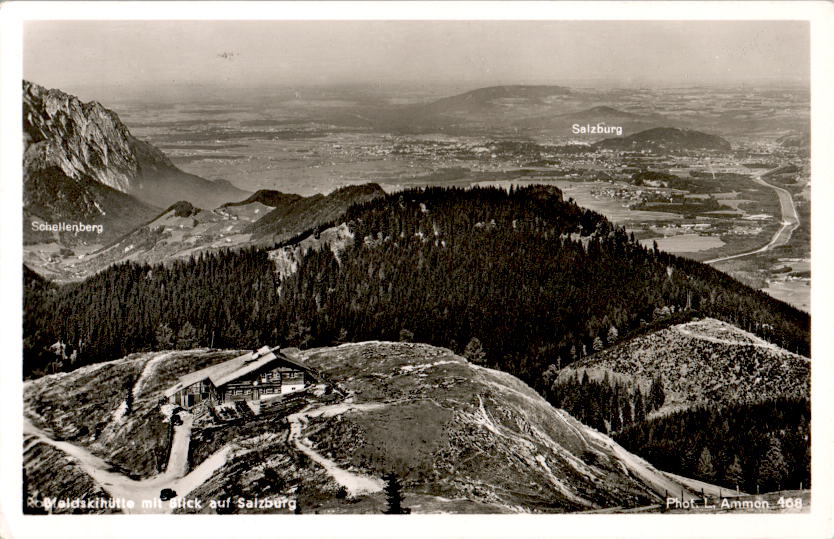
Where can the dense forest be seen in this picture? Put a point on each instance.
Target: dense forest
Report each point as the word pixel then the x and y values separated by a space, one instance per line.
pixel 527 274
pixel 761 446
pixel 607 405
pixel 751 446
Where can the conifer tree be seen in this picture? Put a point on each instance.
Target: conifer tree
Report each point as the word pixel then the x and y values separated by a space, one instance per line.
pixel 164 337
pixel 639 406
pixel 772 468
pixel 342 338
pixel 657 396
pixel 186 337
pixel 233 335
pixel 393 496
pixel 549 375
pixel 705 468
pixel 734 475
pixel 626 413
pixel 616 422
pixel 613 335
pixel 474 351
pixel 129 395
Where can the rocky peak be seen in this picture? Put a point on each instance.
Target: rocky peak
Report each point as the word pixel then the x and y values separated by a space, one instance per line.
pixel 82 139
pixel 86 141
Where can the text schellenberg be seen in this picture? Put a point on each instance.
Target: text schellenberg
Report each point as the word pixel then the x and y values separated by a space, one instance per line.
pixel 37 226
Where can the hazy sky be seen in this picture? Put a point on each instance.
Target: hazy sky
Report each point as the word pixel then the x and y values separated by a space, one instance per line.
pixel 132 53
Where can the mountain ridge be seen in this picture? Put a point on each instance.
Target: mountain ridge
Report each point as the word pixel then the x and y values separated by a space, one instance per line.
pixel 183 230
pixel 689 361
pixel 89 140
pixel 300 214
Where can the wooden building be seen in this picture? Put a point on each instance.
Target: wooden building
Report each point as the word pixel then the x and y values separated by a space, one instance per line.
pixel 249 377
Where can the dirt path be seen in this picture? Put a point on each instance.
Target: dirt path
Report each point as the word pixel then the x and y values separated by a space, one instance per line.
pixel 178 458
pixel 150 368
pixel 355 483
pixel 790 222
pixel 148 490
pixel 758 342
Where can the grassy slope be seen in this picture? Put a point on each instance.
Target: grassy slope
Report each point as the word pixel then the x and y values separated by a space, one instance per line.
pixel 462 438
pixel 458 431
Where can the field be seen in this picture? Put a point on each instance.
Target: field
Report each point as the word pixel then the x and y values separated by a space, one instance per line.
pixel 795 292
pixel 684 243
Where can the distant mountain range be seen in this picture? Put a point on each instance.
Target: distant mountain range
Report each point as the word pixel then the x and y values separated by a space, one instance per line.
pixel 483 108
pixel 515 108
pixel 494 98
pixel 82 164
pixel 611 117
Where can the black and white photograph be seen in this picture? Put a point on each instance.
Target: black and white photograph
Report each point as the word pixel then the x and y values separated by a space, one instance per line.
pixel 436 264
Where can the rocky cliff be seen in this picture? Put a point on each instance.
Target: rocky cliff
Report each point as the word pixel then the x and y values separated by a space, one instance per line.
pixel 66 139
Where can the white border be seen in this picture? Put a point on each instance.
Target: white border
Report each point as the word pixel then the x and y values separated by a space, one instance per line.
pixel 816 524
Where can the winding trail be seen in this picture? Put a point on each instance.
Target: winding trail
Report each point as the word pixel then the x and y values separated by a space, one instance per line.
pixel 121 486
pixel 790 221
pixel 754 341
pixel 138 386
pixel 354 483
pixel 761 343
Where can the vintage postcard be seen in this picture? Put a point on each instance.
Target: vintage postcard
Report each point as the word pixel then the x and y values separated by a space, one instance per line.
pixel 501 269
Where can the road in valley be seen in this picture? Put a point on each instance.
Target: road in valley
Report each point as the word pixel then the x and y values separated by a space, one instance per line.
pixel 790 222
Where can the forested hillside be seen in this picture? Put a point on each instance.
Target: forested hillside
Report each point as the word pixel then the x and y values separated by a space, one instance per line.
pixel 763 446
pixel 513 279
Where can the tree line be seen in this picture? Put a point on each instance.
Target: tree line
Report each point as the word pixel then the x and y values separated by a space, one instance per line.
pixel 531 277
